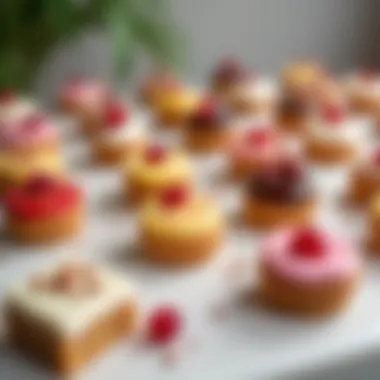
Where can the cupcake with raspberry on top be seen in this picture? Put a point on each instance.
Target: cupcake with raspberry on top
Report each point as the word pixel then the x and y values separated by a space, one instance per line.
pixel 85 99
pixel 280 195
pixel 334 138
pixel 154 168
pixel 209 129
pixel 308 272
pixel 229 74
pixel 119 136
pixel 365 180
pixel 44 210
pixel 180 227
pixel 253 150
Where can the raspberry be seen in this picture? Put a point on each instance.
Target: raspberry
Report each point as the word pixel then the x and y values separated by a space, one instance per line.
pixel 155 154
pixel 175 196
pixel 164 325
pixel 116 115
pixel 258 137
pixel 308 243
pixel 334 114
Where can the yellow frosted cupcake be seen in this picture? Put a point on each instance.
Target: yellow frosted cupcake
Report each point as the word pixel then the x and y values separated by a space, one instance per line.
pixel 181 228
pixel 153 169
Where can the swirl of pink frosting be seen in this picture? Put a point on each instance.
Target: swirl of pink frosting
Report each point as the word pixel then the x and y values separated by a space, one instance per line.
pixel 338 261
pixel 257 144
pixel 82 92
pixel 30 131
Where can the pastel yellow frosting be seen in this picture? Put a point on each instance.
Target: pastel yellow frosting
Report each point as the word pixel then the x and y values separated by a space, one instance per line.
pixel 176 167
pixel 15 168
pixel 178 101
pixel 200 217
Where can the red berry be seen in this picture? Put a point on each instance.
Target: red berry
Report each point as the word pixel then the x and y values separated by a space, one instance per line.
pixel 175 196
pixel 164 325
pixel 259 137
pixel 39 184
pixel 308 243
pixel 290 169
pixel 155 154
pixel 116 115
pixel 334 114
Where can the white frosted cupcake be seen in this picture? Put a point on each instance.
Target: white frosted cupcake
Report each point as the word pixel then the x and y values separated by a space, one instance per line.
pixel 120 134
pixel 334 138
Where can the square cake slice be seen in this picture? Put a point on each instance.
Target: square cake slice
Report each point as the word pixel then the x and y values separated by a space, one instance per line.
pixel 70 314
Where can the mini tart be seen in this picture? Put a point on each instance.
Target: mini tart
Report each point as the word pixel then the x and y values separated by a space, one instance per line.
pixel 209 129
pixel 179 228
pixel 85 100
pixel 68 315
pixel 254 150
pixel 14 108
pixel 16 169
pixel 365 180
pixel 308 273
pixel 227 75
pixel 373 228
pixel 120 136
pixel 154 168
pixel 174 105
pixel 44 210
pixel 334 140
pixel 293 114
pixel 280 196
pixel 300 78
pixel 33 135
pixel 363 91
pixel 254 97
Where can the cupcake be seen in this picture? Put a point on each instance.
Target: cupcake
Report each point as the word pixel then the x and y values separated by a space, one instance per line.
pixel 293 114
pixel 44 210
pixel 364 182
pixel 300 78
pixel 33 135
pixel 253 150
pixel 174 104
pixel 154 168
pixel 227 75
pixel 255 96
pixel 119 136
pixel 14 108
pixel 181 228
pixel 334 139
pixel 85 100
pixel 281 195
pixel 209 129
pixel 308 272
pixel 363 91
pixel 329 92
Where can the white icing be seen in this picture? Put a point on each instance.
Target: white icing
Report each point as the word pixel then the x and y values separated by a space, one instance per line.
pixel 259 89
pixel 348 132
pixel 14 111
pixel 65 314
pixel 133 130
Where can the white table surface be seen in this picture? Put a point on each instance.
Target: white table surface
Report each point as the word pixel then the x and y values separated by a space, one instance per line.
pixel 250 342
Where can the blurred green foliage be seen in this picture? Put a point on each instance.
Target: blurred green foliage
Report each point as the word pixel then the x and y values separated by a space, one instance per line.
pixel 31 29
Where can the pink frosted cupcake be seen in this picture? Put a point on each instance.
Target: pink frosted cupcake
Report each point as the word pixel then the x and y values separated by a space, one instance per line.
pixel 85 99
pixel 254 150
pixel 308 272
pixel 33 135
pixel 14 107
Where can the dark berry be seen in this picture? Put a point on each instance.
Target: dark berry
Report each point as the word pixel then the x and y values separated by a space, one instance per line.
pixel 308 243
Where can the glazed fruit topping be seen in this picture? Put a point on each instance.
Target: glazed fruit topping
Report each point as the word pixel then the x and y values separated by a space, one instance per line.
pixel 334 114
pixel 308 243
pixel 175 196
pixel 116 115
pixel 164 325
pixel 155 154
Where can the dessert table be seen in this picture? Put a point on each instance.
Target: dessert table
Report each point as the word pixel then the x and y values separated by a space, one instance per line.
pixel 229 334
